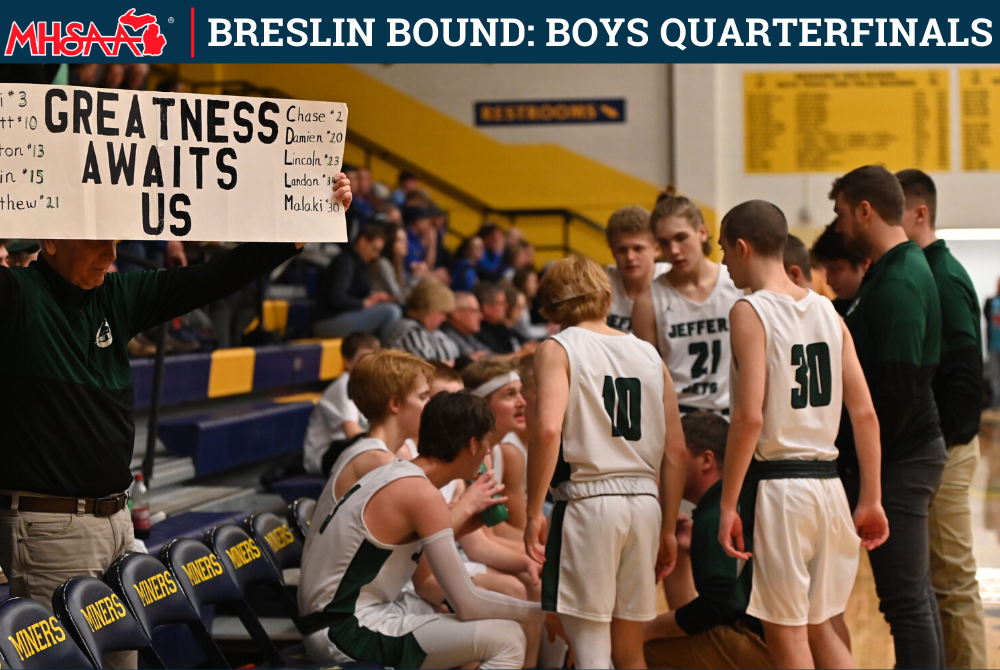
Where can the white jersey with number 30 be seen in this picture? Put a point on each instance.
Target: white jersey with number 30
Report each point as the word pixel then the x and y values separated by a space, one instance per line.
pixel 614 427
pixel 693 339
pixel 805 378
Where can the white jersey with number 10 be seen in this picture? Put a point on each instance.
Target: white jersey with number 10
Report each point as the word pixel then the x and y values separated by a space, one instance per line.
pixel 614 425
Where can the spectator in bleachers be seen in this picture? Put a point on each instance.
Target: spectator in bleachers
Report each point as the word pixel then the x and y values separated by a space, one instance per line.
pixel 407 182
pixel 519 318
pixel 335 416
pixel 444 259
pixel 345 302
pixel 493 331
pixel 463 273
pixel 388 273
pixel 490 266
pixel 463 327
pixel 4 254
pixel 530 328
pixel 420 333
pixel 517 257
pixel 363 198
pixel 421 253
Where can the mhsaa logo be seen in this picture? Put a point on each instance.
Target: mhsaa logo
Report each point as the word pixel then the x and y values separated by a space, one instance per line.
pixel 138 32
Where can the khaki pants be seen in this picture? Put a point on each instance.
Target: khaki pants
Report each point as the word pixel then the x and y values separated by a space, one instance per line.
pixel 953 566
pixel 733 646
pixel 38 552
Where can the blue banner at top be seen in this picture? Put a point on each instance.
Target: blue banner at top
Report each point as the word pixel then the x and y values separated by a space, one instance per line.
pixel 510 32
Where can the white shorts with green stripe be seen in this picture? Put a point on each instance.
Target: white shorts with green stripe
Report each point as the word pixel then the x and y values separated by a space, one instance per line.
pixel 600 558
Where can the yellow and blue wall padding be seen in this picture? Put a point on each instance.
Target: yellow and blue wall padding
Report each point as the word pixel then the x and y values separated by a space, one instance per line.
pixel 229 372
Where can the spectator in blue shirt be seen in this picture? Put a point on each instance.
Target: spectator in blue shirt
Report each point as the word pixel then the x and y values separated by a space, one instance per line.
pixel 463 274
pixel 490 266
pixel 422 239
pixel 407 182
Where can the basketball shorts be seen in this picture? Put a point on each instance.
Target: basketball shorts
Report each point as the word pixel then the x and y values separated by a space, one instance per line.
pixel 805 551
pixel 600 558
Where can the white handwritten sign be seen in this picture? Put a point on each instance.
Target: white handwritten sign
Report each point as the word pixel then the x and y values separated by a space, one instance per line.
pixel 87 163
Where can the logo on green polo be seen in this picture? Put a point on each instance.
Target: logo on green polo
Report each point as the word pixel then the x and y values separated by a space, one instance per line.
pixel 103 338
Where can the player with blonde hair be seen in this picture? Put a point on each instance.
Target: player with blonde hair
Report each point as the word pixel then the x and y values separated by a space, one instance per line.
pixel 635 250
pixel 607 429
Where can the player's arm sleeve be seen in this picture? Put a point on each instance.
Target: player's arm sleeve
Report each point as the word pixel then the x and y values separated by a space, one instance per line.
pixel 899 332
pixel 158 296
pixel 469 601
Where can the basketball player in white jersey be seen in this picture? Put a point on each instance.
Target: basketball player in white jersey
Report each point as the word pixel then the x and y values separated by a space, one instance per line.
pixel 500 384
pixel 391 387
pixel 607 429
pixel 794 366
pixel 635 250
pixel 685 313
pixel 360 554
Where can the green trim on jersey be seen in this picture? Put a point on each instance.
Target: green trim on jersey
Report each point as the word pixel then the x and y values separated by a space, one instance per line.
pixel 363 570
pixel 349 635
pixel 365 644
pixel 553 550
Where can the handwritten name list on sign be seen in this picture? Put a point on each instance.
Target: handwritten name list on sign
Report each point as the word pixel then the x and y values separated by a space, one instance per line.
pixel 87 163
pixel 837 120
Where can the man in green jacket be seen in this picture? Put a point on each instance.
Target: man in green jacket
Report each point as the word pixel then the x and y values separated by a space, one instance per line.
pixel 66 401
pixel 895 321
pixel 958 392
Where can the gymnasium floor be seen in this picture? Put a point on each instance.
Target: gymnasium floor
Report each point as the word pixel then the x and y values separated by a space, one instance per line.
pixel 870 633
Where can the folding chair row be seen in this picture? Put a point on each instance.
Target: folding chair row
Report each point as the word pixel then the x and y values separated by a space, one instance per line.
pixel 141 593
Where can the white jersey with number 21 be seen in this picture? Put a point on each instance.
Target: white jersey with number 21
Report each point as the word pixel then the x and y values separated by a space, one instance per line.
pixel 693 339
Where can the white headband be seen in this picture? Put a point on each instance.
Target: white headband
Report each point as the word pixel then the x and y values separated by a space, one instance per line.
pixel 496 383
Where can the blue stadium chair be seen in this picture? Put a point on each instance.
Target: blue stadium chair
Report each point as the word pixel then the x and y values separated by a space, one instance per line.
pixel 30 637
pixel 276 538
pixel 100 623
pixel 205 581
pixel 299 515
pixel 154 598
pixel 249 565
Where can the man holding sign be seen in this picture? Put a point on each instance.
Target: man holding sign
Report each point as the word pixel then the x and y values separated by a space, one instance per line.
pixel 67 401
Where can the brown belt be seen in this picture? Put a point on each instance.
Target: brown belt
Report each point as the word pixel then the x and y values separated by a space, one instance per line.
pixel 79 506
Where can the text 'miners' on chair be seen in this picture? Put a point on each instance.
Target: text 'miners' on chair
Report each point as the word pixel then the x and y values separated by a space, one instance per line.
pixel 151 593
pixel 205 581
pixel 97 619
pixel 32 637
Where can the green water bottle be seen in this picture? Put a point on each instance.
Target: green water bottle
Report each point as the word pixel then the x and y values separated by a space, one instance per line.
pixel 493 514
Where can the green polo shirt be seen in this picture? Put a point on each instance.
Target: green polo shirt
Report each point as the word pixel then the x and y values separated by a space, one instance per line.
pixel 66 396
pixel 958 382
pixel 896 325
pixel 714 572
